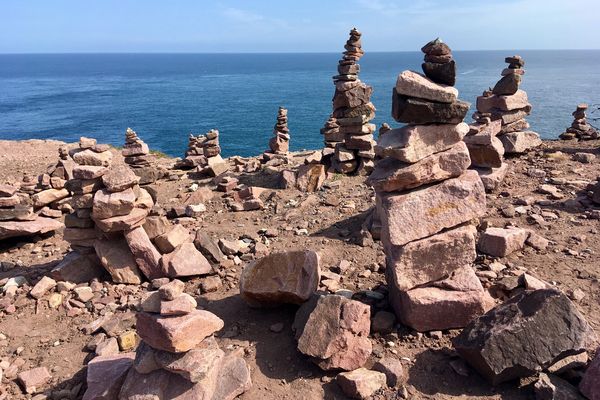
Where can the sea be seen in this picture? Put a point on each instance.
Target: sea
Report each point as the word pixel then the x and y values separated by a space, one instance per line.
pixel 165 97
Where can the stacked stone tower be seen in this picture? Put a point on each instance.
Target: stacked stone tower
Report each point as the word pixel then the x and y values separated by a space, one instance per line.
pixel 204 153
pixel 509 104
pixel 348 135
pixel 280 143
pixel 426 199
pixel 580 128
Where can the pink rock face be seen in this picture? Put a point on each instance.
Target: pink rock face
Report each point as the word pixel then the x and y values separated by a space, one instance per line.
pixel 183 304
pixel 117 259
pixel 430 259
pixel 280 278
pixel 337 333
pixel 177 334
pixel 34 379
pixel 107 204
pixel 520 142
pixel 487 155
pixel 490 129
pixel 492 177
pixel 500 242
pixel 354 97
pixel 121 223
pixel 233 380
pixel 415 142
pixel 427 211
pixel 452 305
pixel 78 268
pixel 311 177
pixel 413 84
pixel 90 157
pixel 590 384
pixel 361 383
pixel 186 260
pixel 146 255
pixel 505 103
pixel 156 226
pixel 105 375
pixel 119 178
pixel 48 196
pixel 10 229
pixel 391 175
pixel 169 241
pixel 88 171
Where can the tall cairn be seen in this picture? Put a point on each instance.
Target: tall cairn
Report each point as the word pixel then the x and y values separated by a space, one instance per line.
pixel 348 135
pixel 509 104
pixel 137 156
pixel 580 128
pixel 426 199
pixel 280 142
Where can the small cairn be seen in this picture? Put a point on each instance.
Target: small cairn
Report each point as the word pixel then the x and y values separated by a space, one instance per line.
pixel 509 104
pixel 348 135
pixel 487 152
pixel 580 128
pixel 280 143
pixel 179 356
pixel 137 156
pixel 204 153
pixel 429 245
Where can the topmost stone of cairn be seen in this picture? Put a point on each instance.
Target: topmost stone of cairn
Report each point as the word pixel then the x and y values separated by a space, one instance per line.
pixel 511 77
pixel 439 65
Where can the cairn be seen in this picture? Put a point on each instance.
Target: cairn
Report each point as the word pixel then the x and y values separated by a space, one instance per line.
pixel 137 156
pixel 179 356
pixel 280 143
pixel 487 152
pixel 426 199
pixel 348 135
pixel 580 128
pixel 509 104
pixel 204 153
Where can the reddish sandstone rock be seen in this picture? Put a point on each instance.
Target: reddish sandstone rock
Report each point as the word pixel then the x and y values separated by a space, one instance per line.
pixel 336 333
pixel 168 242
pixel 520 142
pixel 395 373
pixel 185 260
pixel 34 379
pixel 423 212
pixel 162 385
pixel 183 304
pixel 9 229
pixel 590 384
pixel 107 204
pixel 177 334
pixel 234 378
pixel 90 157
pixel 156 226
pixel 447 304
pixel 361 383
pixel 486 155
pixel 500 242
pixel 492 177
pixel 410 83
pixel 486 104
pixel 88 171
pixel 392 175
pixel 117 259
pixel 414 142
pixel 105 376
pixel 146 255
pixel 279 278
pixel 430 259
pixel 120 178
pixel 311 177
pixel 48 196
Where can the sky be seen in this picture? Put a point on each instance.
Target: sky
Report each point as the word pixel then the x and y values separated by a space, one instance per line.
pixel 199 26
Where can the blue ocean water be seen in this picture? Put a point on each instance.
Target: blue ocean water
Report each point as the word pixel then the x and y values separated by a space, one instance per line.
pixel 164 97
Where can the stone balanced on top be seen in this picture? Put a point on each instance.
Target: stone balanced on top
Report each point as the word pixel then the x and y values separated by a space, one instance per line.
pixel 580 128
pixel 426 199
pixel 348 135
pixel 509 104
pixel 280 143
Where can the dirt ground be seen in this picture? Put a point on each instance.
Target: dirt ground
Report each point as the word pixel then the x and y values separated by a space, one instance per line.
pixel 42 336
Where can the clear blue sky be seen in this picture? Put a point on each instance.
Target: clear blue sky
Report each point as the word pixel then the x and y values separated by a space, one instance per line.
pixel 301 25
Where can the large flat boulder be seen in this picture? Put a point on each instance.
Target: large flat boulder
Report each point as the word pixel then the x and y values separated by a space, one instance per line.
pixel 336 333
pixel 391 175
pixel 426 211
pixel 9 229
pixel 412 143
pixel 488 104
pixel 523 336
pixel 410 110
pixel 280 278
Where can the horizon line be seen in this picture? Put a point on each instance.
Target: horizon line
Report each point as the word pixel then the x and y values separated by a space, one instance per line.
pixel 255 52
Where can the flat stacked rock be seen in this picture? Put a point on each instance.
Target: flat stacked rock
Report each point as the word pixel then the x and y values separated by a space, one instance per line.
pixel 348 135
pixel 509 104
pixel 426 199
pixel 179 357
pixel 487 152
pixel 137 156
pixel 280 143
pixel 17 216
pixel 204 153
pixel 580 128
